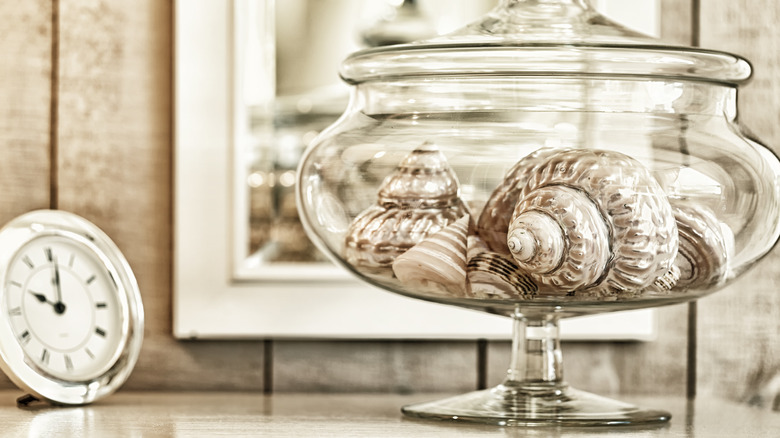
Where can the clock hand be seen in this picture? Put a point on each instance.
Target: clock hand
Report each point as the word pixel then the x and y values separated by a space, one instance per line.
pixel 40 297
pixel 59 306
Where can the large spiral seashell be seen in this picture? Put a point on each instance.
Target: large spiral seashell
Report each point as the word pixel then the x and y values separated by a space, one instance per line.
pixel 589 218
pixel 496 214
pixel 706 246
pixel 438 263
pixel 419 198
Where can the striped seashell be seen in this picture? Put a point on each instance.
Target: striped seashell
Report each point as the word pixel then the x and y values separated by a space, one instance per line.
pixel 706 246
pixel 495 276
pixel 588 218
pixel 438 263
pixel 475 246
pixel 418 199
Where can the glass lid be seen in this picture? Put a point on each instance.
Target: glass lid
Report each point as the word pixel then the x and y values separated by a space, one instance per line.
pixel 545 38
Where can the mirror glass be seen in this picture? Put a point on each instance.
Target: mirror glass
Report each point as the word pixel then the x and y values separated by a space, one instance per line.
pixel 288 54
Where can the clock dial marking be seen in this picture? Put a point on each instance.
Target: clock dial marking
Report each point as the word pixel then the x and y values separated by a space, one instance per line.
pixel 16 283
pixel 49 255
pixel 16 311
pixel 25 337
pixel 28 261
pixel 89 353
pixel 45 357
pixel 91 279
pixel 71 260
pixel 68 363
pixel 100 331
pixel 101 305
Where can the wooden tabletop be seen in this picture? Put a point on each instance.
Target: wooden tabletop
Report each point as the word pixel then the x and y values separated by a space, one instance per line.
pixel 342 415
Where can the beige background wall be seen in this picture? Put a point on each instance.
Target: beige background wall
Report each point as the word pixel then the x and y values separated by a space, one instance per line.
pixel 86 126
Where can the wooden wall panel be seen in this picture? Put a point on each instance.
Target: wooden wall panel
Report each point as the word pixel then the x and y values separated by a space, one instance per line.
pixel 25 96
pixel 374 366
pixel 739 328
pixel 25 91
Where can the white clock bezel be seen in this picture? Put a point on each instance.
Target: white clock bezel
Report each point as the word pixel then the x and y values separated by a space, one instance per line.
pixel 14 237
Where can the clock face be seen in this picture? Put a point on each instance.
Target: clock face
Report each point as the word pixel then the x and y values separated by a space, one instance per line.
pixel 65 308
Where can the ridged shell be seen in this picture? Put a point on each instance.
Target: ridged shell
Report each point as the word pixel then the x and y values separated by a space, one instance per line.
pixel 419 198
pixel 496 214
pixel 492 275
pixel 438 263
pixel 614 220
pixel 705 249
pixel 560 235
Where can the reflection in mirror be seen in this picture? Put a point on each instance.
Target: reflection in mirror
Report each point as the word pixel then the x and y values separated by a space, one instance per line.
pixel 288 90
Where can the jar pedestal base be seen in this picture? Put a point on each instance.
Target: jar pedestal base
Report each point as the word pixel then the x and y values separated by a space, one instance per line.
pixel 552 406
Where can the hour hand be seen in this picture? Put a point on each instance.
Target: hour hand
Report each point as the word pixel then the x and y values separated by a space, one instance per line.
pixel 40 297
pixel 58 307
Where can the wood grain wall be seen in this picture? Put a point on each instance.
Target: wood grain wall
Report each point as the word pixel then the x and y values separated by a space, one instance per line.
pixel 86 126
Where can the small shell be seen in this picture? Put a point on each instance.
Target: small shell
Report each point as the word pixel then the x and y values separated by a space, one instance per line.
pixel 419 198
pixel 438 263
pixel 494 276
pixel 706 246
pixel 665 283
pixel 592 218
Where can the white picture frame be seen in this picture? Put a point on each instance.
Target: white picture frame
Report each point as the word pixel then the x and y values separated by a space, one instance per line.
pixel 215 299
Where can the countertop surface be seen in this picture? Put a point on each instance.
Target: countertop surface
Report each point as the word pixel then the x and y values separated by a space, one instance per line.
pixel 134 414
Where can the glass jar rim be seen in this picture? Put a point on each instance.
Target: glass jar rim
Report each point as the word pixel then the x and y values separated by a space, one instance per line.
pixel 574 59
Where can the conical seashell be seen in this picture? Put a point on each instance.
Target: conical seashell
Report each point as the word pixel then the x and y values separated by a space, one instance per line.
pixel 419 198
pixel 438 263
pixel 589 218
pixel 706 246
pixel 494 276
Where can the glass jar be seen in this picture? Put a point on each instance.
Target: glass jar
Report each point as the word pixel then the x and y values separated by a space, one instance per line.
pixel 541 163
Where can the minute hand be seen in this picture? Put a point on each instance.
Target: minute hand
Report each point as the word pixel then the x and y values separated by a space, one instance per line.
pixel 57 281
pixel 59 306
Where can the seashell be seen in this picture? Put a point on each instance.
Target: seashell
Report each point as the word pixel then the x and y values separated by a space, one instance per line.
pixel 665 283
pixel 495 276
pixel 496 214
pixel 559 232
pixel 438 263
pixel 475 246
pixel 584 219
pixel 419 198
pixel 706 246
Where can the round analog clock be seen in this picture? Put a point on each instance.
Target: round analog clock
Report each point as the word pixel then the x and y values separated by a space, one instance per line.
pixel 71 317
